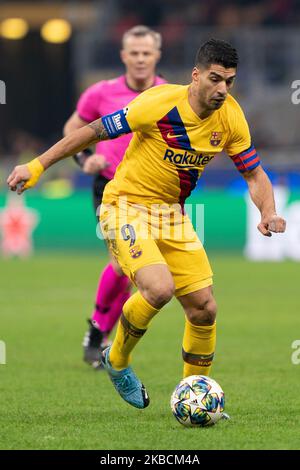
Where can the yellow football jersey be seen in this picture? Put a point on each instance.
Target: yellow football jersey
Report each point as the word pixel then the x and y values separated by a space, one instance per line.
pixel 172 145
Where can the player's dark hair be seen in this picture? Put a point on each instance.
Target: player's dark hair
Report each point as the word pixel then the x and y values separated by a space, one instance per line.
pixel 216 51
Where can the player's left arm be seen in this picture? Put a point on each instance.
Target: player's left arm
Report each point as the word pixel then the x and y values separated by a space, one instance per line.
pixel 26 176
pixel 246 159
pixel 261 192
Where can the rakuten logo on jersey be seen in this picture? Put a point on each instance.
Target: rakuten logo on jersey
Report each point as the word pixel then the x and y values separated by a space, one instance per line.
pixel 186 160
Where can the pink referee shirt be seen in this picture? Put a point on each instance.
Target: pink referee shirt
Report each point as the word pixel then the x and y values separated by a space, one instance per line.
pixel 104 98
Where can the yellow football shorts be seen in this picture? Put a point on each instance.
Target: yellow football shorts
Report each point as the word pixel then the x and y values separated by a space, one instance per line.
pixel 138 237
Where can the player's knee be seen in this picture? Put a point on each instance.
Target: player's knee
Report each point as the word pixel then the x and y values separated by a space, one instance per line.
pixel 160 294
pixel 204 313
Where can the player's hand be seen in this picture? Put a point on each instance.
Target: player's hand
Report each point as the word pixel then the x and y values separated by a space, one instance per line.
pixel 18 177
pixel 94 164
pixel 25 176
pixel 273 223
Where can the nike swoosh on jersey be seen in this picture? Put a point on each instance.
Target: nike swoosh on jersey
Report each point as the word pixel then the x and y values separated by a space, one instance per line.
pixel 173 136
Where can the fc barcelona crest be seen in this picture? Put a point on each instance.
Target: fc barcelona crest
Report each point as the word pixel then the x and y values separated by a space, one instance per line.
pixel 135 251
pixel 215 138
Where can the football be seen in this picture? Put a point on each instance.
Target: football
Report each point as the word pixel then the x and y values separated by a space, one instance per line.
pixel 198 401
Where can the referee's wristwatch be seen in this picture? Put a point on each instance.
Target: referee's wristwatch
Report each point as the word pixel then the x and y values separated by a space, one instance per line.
pixel 81 157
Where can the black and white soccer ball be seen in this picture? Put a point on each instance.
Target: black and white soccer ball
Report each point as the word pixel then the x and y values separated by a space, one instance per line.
pixel 198 401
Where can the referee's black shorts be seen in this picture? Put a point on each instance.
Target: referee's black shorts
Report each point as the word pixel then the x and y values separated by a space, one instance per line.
pixel 99 184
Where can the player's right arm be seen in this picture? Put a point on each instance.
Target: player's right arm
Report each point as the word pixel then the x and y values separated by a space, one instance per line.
pixel 140 115
pixel 26 176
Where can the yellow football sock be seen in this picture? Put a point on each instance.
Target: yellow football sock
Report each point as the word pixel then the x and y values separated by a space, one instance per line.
pixel 134 321
pixel 198 348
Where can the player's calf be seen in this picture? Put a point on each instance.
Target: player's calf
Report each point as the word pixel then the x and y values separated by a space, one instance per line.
pixel 199 338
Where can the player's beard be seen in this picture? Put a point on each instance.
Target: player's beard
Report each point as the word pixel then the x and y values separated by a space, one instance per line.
pixel 216 103
pixel 211 103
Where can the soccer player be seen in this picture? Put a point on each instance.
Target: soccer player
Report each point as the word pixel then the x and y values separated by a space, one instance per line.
pixel 177 132
pixel 140 54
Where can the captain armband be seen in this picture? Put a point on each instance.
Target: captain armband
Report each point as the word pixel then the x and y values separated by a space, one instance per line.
pixel 247 160
pixel 116 123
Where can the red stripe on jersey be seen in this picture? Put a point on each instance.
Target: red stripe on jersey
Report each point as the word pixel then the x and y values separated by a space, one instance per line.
pixel 185 187
pixel 166 130
pixel 173 130
pixel 187 182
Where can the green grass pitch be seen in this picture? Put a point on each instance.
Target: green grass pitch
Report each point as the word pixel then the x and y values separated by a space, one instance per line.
pixel 51 400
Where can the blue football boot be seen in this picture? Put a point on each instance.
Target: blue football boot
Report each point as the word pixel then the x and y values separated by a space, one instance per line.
pixel 126 383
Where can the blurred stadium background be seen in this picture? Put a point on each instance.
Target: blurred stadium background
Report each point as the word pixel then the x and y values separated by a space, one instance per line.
pixel 42 72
